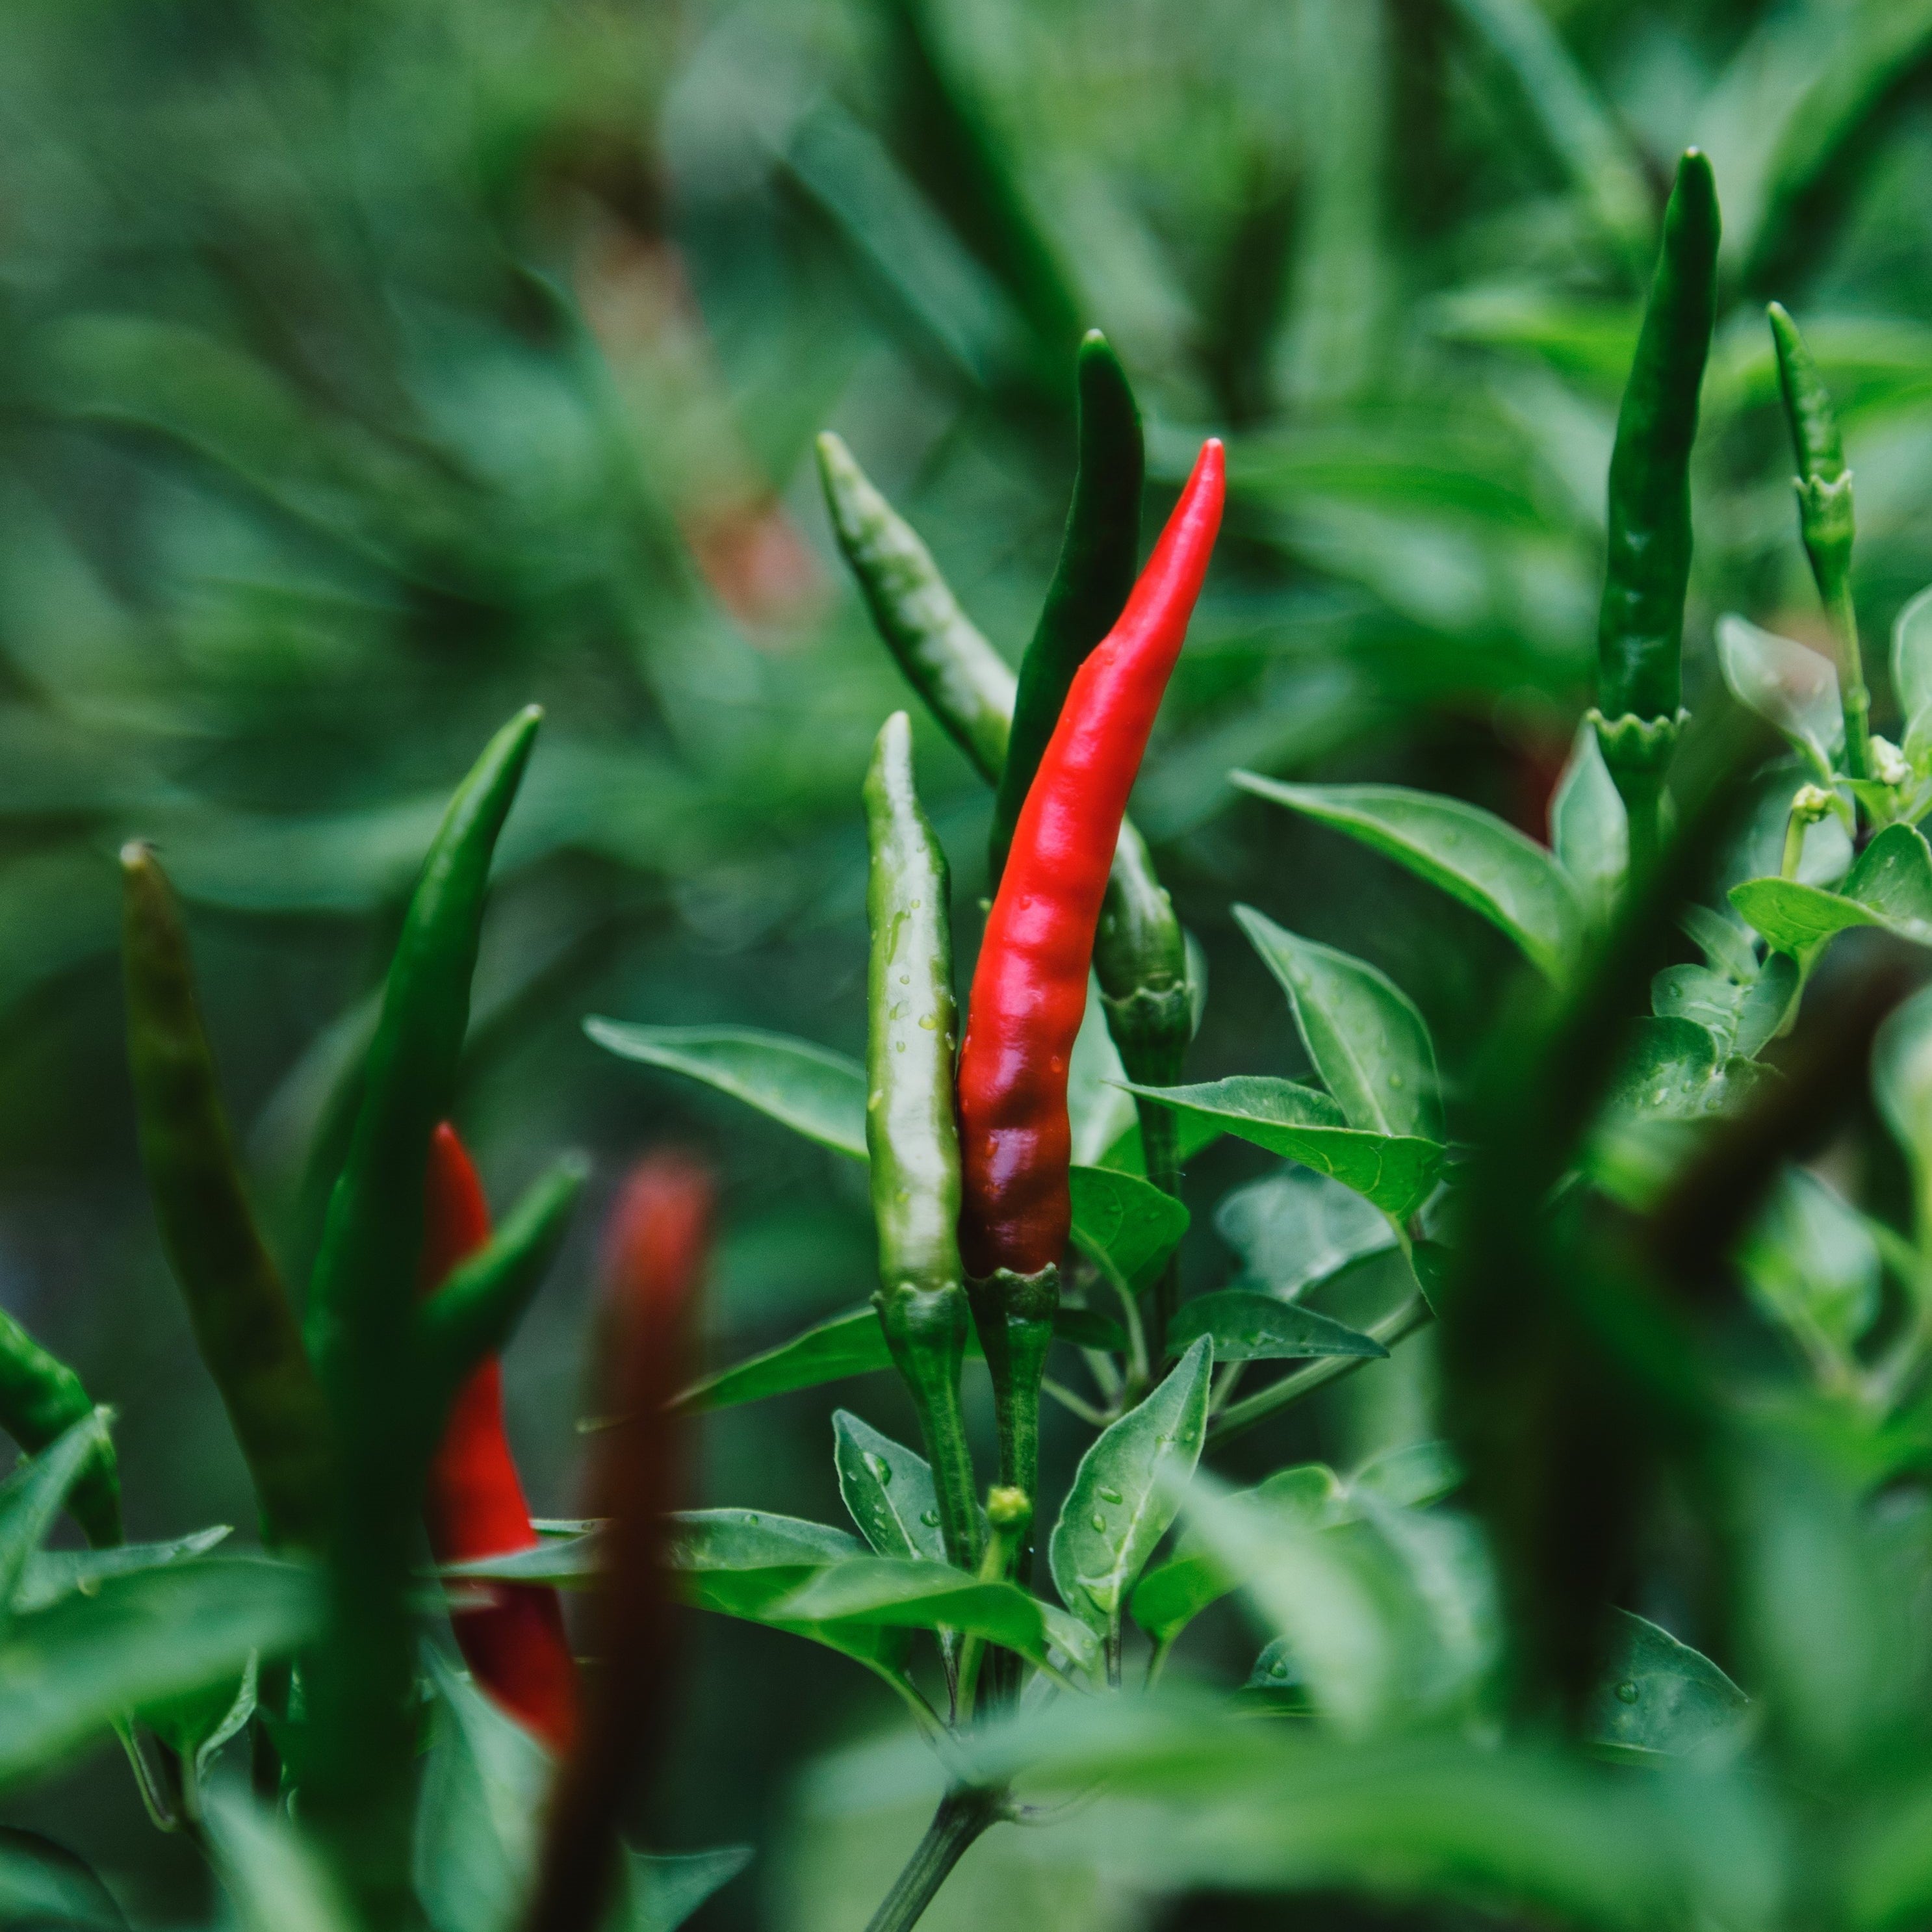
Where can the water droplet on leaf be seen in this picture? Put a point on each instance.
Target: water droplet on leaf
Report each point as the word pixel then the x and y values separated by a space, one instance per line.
pixel 1098 1520
pixel 1627 1692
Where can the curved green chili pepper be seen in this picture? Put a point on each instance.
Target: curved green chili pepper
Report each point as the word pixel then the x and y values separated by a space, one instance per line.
pixel 1825 521
pixel 966 683
pixel 911 1133
pixel 1640 628
pixel 1099 557
pixel 244 1324
pixel 40 1399
pixel 364 1320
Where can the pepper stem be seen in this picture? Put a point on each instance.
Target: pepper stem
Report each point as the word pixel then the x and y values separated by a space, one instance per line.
pixel 1856 699
pixel 1014 1314
pixel 964 1813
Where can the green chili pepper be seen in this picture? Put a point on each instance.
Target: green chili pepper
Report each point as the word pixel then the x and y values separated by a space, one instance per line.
pixel 1099 557
pixel 965 682
pixel 910 1131
pixel 1825 521
pixel 1640 629
pixel 40 1399
pixel 244 1324
pixel 368 1346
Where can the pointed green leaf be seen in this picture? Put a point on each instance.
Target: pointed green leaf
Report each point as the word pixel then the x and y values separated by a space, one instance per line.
pixel 1811 1262
pixel 1396 1174
pixel 1674 1070
pixel 1795 689
pixel 1589 828
pixel 1798 919
pixel 888 1489
pixel 52 1574
pixel 72 1671
pixel 1697 994
pixel 1657 1697
pixel 908 1594
pixel 1726 946
pixel 1247 1327
pixel 810 1089
pixel 667 1888
pixel 1127 1491
pixel 1295 1228
pixel 1471 854
pixel 275 1880
pixel 1126 1156
pixel 32 1497
pixel 1368 1042
pixel 1125 1223
pixel 1890 885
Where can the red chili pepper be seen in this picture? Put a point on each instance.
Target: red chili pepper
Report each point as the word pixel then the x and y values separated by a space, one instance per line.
pixel 474 1504
pixel 1030 987
pixel 660 1234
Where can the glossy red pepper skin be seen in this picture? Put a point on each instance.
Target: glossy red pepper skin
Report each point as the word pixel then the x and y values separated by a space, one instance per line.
pixel 1029 986
pixel 473 1503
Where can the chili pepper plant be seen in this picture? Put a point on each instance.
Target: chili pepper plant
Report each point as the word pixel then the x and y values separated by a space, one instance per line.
pixel 1636 1639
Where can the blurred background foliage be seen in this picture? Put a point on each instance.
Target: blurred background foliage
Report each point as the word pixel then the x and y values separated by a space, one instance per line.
pixel 367 369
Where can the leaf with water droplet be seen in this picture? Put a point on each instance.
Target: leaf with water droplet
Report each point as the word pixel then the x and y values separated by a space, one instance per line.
pixel 888 1489
pixel 1144 1460
pixel 1657 1697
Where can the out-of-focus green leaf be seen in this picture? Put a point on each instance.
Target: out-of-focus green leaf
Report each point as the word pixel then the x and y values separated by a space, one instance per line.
pixel 1658 1697
pixel 1368 1042
pixel 1126 1491
pixel 1788 686
pixel 32 1497
pixel 1588 826
pixel 275 1881
pixel 42 1884
pixel 1725 945
pixel 1471 854
pixel 1902 1083
pixel 888 1490
pixel 1296 1227
pixel 1911 673
pixel 810 1089
pixel 72 1670
pixel 1247 1327
pixel 1396 1173
pixel 1812 1263
pixel 1099 1113
pixel 666 1888
pixel 1675 1070
pixel 52 1574
pixel 1127 1225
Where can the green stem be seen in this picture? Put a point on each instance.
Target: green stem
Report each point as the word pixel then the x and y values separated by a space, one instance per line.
pixel 1642 791
pixel 1857 700
pixel 963 1814
pixel 1392 1328
pixel 1160 1148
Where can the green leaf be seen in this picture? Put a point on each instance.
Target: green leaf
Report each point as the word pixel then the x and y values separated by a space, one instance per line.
pixel 888 1489
pixel 1411 1477
pixel 1911 673
pixel 1811 1262
pixel 1247 1327
pixel 1767 1005
pixel 1396 1174
pixel 1194 1133
pixel 197 1727
pixel 485 1782
pixel 1589 828
pixel 810 1089
pixel 1296 1228
pixel 909 1594
pixel 853 1344
pixel 1726 946
pixel 1127 1491
pixel 1890 885
pixel 1126 1224
pixel 43 1885
pixel 52 1574
pixel 1795 689
pixel 274 1880
pixel 32 1497
pixel 1367 1040
pixel 667 1888
pixel 1674 1070
pixel 1902 1084
pixel 1696 993
pixel 1471 854
pixel 67 1674
pixel 1657 1697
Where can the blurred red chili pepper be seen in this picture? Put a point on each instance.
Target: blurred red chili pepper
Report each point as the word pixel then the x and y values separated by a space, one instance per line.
pixel 474 1504
pixel 1030 987
pixel 655 1249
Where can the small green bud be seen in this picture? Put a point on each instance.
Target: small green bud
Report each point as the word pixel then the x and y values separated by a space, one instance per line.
pixel 1007 1508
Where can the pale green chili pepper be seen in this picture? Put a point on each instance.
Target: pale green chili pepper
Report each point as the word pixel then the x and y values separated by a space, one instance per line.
pixel 910 1134
pixel 1825 521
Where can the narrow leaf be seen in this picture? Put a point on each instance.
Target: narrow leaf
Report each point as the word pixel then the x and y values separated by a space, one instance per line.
pixel 1589 827
pixel 32 1497
pixel 1369 1043
pixel 1395 1173
pixel 888 1489
pixel 1126 1493
pixel 1246 1327
pixel 1471 854
pixel 810 1089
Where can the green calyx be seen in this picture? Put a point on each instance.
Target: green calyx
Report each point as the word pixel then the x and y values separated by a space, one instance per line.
pixel 1640 626
pixel 1014 1314
pixel 1827 522
pixel 911 1139
pixel 1098 555
pixel 1633 744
